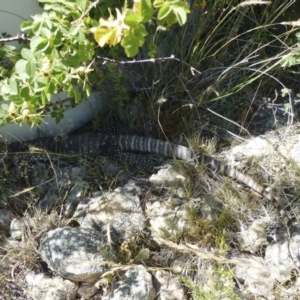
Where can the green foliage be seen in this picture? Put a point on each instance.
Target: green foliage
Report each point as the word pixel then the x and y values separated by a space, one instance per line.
pixel 210 233
pixel 127 27
pixel 220 286
pixel 171 12
pixel 220 282
pixel 293 58
pixel 59 55
pixel 52 62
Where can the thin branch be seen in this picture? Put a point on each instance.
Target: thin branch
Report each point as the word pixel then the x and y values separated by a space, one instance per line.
pixel 18 37
pixel 152 60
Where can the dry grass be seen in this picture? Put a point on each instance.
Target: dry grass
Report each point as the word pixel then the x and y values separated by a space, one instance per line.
pixel 19 257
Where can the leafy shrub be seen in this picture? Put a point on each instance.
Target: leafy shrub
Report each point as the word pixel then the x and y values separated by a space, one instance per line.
pixel 59 55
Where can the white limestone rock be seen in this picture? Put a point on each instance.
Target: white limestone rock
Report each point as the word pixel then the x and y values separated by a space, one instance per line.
pixel 169 286
pixel 40 287
pixel 77 254
pixel 134 284
pixel 118 211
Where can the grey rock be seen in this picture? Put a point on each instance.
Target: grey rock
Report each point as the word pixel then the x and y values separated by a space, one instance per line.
pixel 168 286
pixel 40 287
pixel 282 257
pixel 254 278
pixel 269 144
pixel 167 220
pixel 87 290
pixel 254 238
pixel 290 291
pixel 169 175
pixel 118 212
pixel 77 254
pixel 135 284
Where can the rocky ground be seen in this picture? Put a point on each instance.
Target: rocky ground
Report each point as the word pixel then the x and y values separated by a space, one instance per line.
pixel 175 234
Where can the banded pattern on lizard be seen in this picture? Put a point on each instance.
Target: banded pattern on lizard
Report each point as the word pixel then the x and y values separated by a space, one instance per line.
pixel 119 147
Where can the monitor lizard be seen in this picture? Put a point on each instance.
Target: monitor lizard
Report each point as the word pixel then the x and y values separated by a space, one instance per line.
pixel 124 147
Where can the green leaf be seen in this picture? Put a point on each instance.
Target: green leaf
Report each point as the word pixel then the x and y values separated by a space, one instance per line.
pixel 56 7
pixel 142 32
pixel 87 21
pixel 71 61
pixel 55 54
pixel 84 52
pixel 288 61
pixel 66 11
pixel 158 3
pixel 21 66
pixel 2 114
pixel 40 81
pixel 7 48
pixel 170 20
pixel 57 41
pixel 3 72
pixel 133 40
pixel 49 23
pixel 30 68
pixel 25 93
pixel 14 90
pixel 53 17
pixel 38 87
pixel 25 26
pixel 145 10
pixel 38 43
pixel 46 33
pixel 36 26
pixel 87 89
pixel 181 10
pixel 131 50
pixel 132 19
pixel 47 1
pixel 58 115
pixel 45 97
pixel 16 99
pixel 65 50
pixel 81 36
pixel 26 53
pixel 5 106
pixel 74 30
pixel 81 4
pixel 180 15
pixel 49 49
pixel 50 88
pixel 77 96
pixel 164 11
pixel 5 89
